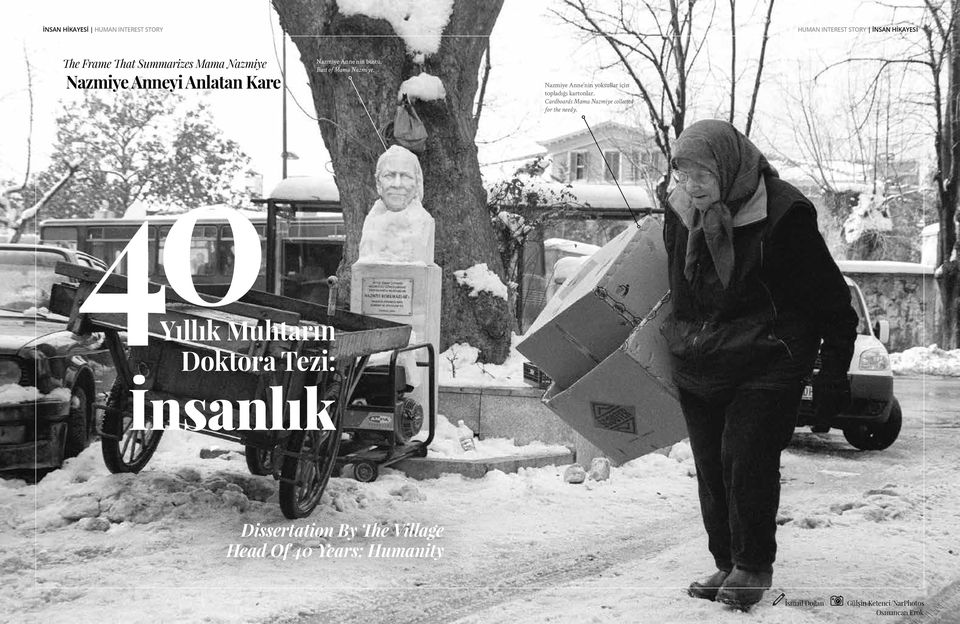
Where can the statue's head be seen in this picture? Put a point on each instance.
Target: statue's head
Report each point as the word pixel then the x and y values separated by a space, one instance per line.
pixel 399 178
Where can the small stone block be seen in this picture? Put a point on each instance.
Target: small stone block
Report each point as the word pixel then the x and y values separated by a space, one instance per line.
pixel 575 474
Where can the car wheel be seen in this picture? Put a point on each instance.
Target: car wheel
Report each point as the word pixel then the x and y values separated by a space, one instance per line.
pixel 876 436
pixel 77 423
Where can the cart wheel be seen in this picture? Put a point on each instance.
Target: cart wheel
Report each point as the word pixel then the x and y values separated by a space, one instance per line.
pixel 259 461
pixel 125 449
pixel 365 472
pixel 308 460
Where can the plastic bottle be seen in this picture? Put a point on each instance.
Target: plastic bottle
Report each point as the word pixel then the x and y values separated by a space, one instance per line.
pixel 465 434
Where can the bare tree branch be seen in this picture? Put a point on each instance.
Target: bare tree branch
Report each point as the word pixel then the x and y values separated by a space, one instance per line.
pixel 31 213
pixel 763 53
pixel 733 58
pixel 26 59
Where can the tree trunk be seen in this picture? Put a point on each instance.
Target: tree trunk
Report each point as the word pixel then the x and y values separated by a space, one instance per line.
pixel 453 192
pixel 949 171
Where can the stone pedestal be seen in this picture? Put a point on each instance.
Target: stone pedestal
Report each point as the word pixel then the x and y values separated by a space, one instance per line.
pixel 406 293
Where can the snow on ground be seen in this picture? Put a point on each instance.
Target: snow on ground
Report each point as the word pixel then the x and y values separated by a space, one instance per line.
pixel 87 546
pixel 446 445
pixel 171 526
pixel 930 360
pixel 458 366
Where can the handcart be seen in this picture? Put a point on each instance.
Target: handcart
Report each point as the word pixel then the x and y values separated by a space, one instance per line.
pixel 301 459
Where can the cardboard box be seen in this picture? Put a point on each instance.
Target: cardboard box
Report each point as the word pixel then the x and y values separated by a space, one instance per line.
pixel 627 405
pixel 595 310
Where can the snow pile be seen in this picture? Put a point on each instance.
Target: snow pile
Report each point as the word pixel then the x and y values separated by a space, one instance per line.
pixel 679 462
pixel 868 216
pixel 422 87
pixel 876 505
pixel 570 246
pixel 458 366
pixel 35 311
pixel 306 188
pixel 479 278
pixel 446 445
pixel 83 491
pixel 565 268
pixel 930 360
pixel 419 23
pixel 15 393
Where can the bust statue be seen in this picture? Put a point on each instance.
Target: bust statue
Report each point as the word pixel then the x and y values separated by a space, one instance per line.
pixel 398 229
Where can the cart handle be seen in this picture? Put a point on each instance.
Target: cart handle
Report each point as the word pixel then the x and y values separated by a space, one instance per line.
pixel 333 282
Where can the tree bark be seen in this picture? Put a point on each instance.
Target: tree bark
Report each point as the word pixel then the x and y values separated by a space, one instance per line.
pixel 453 192
pixel 948 184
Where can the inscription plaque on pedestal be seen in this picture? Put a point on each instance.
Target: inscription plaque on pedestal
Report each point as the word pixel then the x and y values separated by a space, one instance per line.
pixel 387 295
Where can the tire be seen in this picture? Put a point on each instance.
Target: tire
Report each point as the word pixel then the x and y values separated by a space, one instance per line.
pixel 365 472
pixel 308 461
pixel 77 423
pixel 260 462
pixel 876 436
pixel 125 450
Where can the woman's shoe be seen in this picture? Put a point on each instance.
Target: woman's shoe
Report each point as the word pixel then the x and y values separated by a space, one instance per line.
pixel 743 588
pixel 708 587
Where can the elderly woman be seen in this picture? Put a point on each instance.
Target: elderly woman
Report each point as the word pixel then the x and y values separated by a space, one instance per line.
pixel 754 292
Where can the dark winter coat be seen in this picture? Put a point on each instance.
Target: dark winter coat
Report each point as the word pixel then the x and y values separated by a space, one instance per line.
pixel 785 296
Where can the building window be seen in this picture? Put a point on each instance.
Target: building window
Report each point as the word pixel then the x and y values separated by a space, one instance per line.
pixel 636 170
pixel 611 170
pixel 578 166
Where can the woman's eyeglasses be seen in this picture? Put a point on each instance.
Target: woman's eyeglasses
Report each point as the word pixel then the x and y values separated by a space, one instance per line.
pixel 699 176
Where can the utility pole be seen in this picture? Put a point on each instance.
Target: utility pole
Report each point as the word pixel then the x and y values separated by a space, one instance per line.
pixel 283 154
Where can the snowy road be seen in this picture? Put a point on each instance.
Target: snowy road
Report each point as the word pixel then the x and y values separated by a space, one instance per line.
pixel 876 528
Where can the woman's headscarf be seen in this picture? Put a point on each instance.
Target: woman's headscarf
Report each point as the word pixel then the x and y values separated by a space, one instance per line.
pixel 736 162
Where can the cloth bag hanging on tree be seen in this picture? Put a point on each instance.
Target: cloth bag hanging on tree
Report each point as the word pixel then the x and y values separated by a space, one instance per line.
pixel 408 130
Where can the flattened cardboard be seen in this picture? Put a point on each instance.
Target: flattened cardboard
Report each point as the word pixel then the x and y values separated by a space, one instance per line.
pixel 578 328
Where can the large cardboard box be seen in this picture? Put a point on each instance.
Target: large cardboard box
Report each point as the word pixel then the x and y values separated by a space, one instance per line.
pixel 627 405
pixel 594 311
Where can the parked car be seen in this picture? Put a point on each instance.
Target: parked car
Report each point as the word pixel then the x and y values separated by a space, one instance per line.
pixel 872 421
pixel 49 377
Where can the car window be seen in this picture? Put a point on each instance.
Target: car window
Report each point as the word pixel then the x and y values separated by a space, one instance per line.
pixel 27 277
